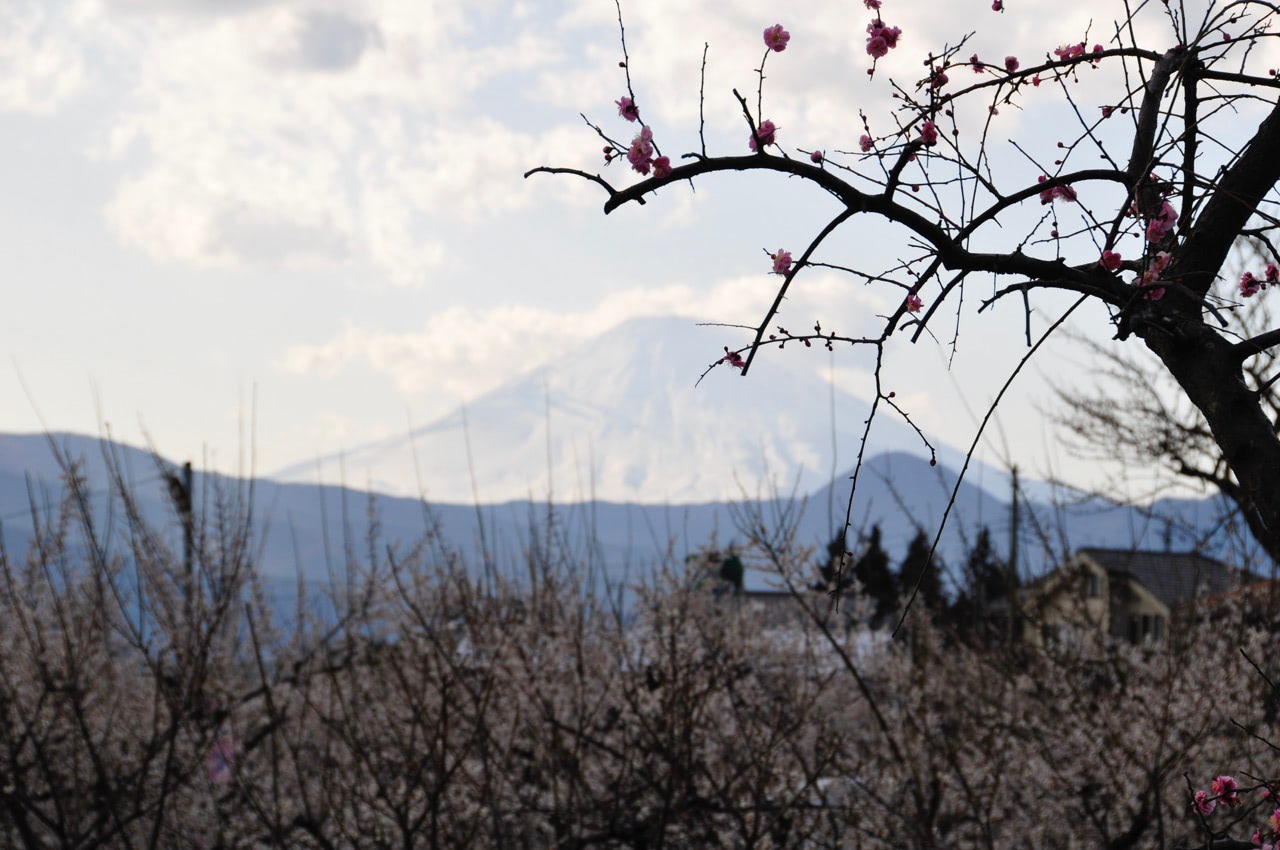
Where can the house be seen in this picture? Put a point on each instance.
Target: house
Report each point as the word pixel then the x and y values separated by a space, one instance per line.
pixel 761 593
pixel 1104 596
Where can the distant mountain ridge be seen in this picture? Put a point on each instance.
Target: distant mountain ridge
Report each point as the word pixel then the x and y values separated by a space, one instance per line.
pixel 311 528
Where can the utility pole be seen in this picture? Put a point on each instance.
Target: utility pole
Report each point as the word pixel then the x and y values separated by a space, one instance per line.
pixel 188 523
pixel 1011 572
pixel 180 493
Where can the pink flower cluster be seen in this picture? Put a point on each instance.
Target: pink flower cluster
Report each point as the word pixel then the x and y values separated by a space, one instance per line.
pixel 1250 285
pixel 929 133
pixel 1273 824
pixel 1160 225
pixel 1152 274
pixel 627 108
pixel 733 358
pixel 1110 260
pixel 1048 196
pixel 640 154
pixel 1069 51
pixel 881 38
pixel 766 132
pixel 864 143
pixel 781 261
pixel 776 38
pixel 1225 791
pixel 1074 51
pixel 914 304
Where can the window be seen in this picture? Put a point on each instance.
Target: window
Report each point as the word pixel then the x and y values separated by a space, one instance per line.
pixel 1093 585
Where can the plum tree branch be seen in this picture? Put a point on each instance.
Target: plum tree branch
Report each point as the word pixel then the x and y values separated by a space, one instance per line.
pixel 1046 273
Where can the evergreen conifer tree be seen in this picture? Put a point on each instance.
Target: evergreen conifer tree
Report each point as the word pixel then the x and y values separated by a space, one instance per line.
pixel 873 573
pixel 917 566
pixel 980 603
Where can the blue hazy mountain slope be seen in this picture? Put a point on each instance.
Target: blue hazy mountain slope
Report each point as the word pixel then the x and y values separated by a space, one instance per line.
pixel 318 530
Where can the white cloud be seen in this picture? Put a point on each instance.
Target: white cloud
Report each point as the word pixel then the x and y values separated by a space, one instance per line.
pixel 317 40
pixel 40 63
pixel 461 352
pixel 345 131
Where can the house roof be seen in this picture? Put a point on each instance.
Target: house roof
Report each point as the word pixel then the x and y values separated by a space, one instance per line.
pixel 1172 577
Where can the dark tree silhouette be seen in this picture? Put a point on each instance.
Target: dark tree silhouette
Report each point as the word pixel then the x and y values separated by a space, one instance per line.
pixel 1143 423
pixel 981 607
pixel 873 573
pixel 1160 167
pixel 832 576
pixel 920 569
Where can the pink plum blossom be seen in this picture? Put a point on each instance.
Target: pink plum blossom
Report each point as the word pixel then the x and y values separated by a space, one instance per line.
pixel 627 108
pixel 1249 285
pixel 816 157
pixel 1069 51
pixel 1158 264
pixel 1160 226
pixel 1011 63
pixel 781 261
pixel 1110 260
pixel 733 358
pixel 997 5
pixel 864 142
pixel 1271 273
pixel 1203 804
pixel 1152 275
pixel 641 150
pixel 929 133
pixel 938 79
pixel 662 167
pixel 1051 194
pixel 880 38
pixel 914 304
pixel 873 5
pixel 766 132
pixel 1224 788
pixel 776 38
pixel 976 64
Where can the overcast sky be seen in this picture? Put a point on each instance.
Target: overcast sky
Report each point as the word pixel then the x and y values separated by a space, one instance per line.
pixel 321 202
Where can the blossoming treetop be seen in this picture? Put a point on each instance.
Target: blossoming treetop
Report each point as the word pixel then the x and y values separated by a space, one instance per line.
pixel 1146 232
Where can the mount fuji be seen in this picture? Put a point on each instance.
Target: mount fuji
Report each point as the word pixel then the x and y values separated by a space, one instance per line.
pixel 620 419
